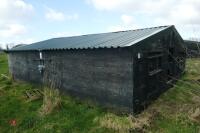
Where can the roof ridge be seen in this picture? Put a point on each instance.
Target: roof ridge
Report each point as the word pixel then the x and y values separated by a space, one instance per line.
pixel 114 32
pixel 142 28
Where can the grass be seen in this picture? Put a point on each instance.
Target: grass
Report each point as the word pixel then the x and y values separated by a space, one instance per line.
pixel 51 101
pixel 177 110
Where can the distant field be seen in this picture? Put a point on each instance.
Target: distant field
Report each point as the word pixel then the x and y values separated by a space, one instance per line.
pixel 176 111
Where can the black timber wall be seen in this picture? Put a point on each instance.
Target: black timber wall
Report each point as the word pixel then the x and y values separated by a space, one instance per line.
pixel 103 75
pixel 23 66
pixel 154 70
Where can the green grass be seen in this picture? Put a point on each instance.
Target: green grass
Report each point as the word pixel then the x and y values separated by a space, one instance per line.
pixel 170 113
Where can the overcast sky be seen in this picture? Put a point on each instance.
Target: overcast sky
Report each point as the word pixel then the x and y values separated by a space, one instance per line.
pixel 27 21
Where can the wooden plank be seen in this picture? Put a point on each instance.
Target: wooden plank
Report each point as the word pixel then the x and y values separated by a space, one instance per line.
pixel 154 72
pixel 33 94
pixel 27 93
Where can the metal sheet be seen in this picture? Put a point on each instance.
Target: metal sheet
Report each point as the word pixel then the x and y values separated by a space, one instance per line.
pixel 102 40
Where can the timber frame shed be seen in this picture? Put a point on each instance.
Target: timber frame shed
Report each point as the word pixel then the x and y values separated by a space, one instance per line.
pixel 123 70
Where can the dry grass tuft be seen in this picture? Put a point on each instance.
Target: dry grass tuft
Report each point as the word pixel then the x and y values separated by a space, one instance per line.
pixel 127 124
pixel 116 123
pixel 195 115
pixel 51 100
pixel 196 99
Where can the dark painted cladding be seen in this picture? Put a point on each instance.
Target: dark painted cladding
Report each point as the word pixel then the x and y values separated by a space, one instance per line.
pixel 147 87
pixel 103 75
pixel 23 66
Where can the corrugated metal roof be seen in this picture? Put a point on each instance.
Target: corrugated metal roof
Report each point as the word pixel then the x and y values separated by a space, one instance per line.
pixel 102 40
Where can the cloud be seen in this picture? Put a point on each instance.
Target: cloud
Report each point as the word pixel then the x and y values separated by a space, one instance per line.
pixel 127 5
pixel 13 15
pixel 183 13
pixel 127 22
pixel 127 19
pixel 74 16
pixel 15 11
pixel 107 5
pixel 54 15
pixel 10 30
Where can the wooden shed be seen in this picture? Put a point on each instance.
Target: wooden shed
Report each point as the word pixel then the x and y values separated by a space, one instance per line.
pixel 123 70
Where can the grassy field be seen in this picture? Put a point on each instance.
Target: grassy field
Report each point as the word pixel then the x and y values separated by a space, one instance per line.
pixel 176 111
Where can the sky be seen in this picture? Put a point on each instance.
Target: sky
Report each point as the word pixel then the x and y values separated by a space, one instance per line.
pixel 28 21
